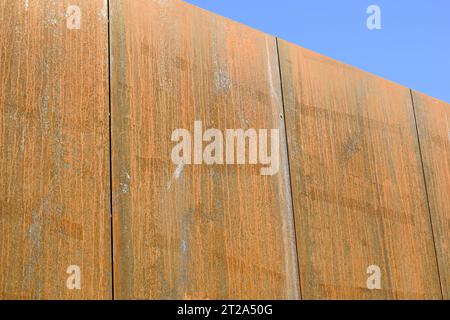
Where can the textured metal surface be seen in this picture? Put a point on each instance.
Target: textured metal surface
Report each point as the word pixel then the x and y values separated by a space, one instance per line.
pixel 367 161
pixel 433 123
pixel 358 190
pixel 195 231
pixel 54 163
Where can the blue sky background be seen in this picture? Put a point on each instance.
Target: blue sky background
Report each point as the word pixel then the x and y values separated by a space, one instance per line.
pixel 412 48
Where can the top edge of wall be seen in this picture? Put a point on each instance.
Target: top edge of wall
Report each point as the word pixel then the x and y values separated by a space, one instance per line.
pixel 192 6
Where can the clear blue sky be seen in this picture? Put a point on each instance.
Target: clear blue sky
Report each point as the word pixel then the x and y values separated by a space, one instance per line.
pixel 412 48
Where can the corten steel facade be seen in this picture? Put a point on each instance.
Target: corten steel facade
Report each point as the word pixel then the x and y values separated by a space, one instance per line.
pixel 87 180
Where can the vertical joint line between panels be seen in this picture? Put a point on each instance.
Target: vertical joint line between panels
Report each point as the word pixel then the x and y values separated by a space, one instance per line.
pixel 426 191
pixel 289 168
pixel 110 151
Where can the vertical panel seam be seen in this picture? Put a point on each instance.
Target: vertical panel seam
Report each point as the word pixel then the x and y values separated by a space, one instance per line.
pixel 289 168
pixel 110 154
pixel 426 192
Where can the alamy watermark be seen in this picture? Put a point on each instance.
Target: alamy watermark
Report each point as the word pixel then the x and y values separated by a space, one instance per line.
pixel 374 279
pixel 73 16
pixel 233 146
pixel 74 280
pixel 374 20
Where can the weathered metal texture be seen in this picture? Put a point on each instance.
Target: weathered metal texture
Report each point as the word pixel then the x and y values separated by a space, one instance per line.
pixel 195 231
pixel 364 155
pixel 54 163
pixel 358 189
pixel 433 123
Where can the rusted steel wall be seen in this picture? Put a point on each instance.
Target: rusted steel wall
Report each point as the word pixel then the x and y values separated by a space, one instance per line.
pixel 88 114
pixel 195 231
pixel 358 189
pixel 433 122
pixel 54 158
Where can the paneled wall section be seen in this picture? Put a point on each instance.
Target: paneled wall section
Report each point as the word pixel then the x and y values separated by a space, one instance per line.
pixel 87 115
